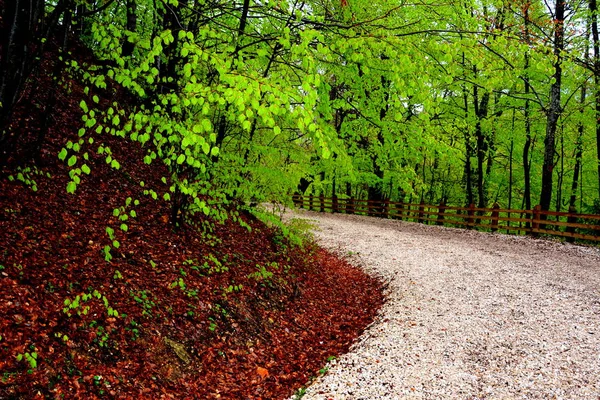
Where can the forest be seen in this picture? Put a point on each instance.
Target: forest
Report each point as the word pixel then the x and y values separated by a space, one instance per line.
pixel 463 101
pixel 137 138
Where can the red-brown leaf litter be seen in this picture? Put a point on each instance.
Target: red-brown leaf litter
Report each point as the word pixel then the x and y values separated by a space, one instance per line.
pixel 212 311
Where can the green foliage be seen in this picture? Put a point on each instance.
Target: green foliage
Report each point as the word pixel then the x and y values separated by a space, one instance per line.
pixel 30 358
pixel 79 304
pixel 26 176
pixel 407 103
pixel 296 232
pixel 265 275
pixel 146 300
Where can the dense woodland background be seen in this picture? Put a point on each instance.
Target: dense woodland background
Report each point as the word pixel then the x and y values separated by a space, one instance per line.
pixel 461 101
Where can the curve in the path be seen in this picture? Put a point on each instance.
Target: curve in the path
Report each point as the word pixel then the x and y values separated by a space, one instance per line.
pixel 469 315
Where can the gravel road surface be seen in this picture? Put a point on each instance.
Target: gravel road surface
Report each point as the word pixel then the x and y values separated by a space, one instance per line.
pixel 469 315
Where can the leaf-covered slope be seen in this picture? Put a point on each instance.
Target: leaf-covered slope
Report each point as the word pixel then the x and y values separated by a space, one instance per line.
pixel 213 311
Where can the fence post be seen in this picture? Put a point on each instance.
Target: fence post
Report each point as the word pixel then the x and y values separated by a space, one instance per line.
pixel 441 209
pixel 386 208
pixel 399 211
pixel 311 202
pixel 421 210
pixel 571 219
pixel 334 204
pixel 495 215
pixel 321 203
pixel 350 206
pixel 535 225
pixel 470 214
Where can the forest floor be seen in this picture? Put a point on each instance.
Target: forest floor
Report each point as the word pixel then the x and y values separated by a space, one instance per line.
pixel 468 315
pixel 222 311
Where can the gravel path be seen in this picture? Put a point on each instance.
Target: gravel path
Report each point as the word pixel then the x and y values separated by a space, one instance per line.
pixel 469 315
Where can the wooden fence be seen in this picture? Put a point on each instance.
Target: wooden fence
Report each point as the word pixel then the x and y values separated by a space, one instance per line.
pixel 531 222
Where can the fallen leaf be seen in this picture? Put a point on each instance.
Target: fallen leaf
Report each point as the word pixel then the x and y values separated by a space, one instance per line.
pixel 263 372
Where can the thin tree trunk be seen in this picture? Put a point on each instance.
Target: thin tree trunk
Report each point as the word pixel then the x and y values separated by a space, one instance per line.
pixel 131 26
pixel 527 111
pixel 480 113
pixel 554 109
pixel 561 172
pixel 23 27
pixel 468 147
pixel 596 44
pixel 578 152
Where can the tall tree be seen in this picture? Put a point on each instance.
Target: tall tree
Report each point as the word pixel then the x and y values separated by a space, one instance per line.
pixel 554 109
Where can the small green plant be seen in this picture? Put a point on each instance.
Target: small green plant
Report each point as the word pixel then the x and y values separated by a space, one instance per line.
pixel 25 175
pixel 213 324
pixel 6 376
pixel 300 393
pixel 210 266
pixel 145 299
pixel 180 283
pixel 61 336
pixel 231 289
pixel 102 335
pixel 263 275
pixel 133 328
pixel 122 214
pixel 79 306
pixel 117 275
pixel 31 358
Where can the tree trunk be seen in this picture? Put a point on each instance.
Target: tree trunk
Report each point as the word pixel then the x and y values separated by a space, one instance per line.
pixel 481 109
pixel 131 26
pixel 468 147
pixel 596 43
pixel 17 37
pixel 554 109
pixel 578 152
pixel 561 172
pixel 527 145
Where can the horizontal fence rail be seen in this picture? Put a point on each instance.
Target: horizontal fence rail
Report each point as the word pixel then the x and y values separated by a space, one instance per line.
pixel 569 225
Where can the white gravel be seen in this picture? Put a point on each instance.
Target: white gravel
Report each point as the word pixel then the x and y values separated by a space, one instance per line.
pixel 469 315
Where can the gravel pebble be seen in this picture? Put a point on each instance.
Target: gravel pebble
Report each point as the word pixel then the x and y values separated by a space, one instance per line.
pixel 469 315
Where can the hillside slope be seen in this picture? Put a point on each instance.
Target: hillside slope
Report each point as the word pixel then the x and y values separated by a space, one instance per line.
pixel 233 310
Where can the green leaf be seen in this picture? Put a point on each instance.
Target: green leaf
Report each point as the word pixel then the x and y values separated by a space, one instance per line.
pixel 83 106
pixel 85 169
pixel 71 187
pixel 181 159
pixel 63 154
pixel 124 227
pixel 72 160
